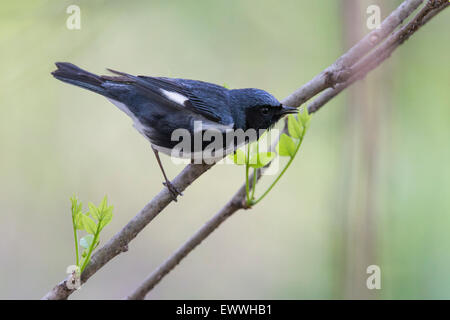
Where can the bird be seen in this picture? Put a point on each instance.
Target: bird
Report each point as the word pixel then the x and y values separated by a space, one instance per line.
pixel 159 106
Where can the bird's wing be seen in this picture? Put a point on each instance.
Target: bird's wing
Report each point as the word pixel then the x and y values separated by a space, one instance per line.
pixel 180 94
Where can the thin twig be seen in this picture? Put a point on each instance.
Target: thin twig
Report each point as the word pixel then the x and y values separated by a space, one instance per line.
pixel 237 202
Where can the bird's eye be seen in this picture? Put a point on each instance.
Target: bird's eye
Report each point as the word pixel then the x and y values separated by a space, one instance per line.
pixel 264 110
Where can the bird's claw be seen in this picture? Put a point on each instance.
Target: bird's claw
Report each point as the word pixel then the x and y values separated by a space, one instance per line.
pixel 173 190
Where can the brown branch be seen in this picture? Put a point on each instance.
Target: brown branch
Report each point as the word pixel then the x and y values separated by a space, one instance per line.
pixel 337 73
pixel 358 70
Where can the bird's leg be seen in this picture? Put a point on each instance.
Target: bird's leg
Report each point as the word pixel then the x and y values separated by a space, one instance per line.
pixel 174 191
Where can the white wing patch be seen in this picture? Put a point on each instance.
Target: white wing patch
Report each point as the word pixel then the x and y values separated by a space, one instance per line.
pixel 175 97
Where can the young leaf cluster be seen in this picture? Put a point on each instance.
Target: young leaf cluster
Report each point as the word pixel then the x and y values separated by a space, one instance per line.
pixel 287 146
pixel 92 222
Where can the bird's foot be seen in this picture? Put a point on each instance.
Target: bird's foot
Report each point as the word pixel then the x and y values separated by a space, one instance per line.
pixel 173 190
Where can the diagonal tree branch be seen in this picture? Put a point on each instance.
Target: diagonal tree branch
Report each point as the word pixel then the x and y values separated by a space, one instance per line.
pixel 357 71
pixel 338 72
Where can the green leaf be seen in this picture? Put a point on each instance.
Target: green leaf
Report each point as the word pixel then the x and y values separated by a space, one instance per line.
pixel 294 127
pixel 286 146
pixel 261 159
pixel 76 207
pixel 86 241
pixel 94 211
pixel 106 219
pixel 104 209
pixel 304 117
pixel 103 205
pixel 238 157
pixel 78 220
pixel 89 224
pixel 106 212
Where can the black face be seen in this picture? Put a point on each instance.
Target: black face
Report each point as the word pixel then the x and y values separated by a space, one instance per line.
pixel 263 117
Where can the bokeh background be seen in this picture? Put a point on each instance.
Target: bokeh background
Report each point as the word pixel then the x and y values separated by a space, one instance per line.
pixel 370 187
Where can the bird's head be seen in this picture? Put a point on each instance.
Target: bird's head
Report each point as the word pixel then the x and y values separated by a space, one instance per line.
pixel 260 109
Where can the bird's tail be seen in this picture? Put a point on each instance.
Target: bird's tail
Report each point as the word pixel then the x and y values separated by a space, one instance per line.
pixel 70 73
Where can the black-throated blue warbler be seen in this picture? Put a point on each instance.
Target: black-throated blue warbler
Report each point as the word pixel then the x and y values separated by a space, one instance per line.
pixel 159 106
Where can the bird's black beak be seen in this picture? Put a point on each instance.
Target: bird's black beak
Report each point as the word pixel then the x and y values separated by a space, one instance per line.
pixel 287 110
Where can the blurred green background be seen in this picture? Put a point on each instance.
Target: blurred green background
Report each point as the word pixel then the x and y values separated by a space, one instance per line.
pixel 370 187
